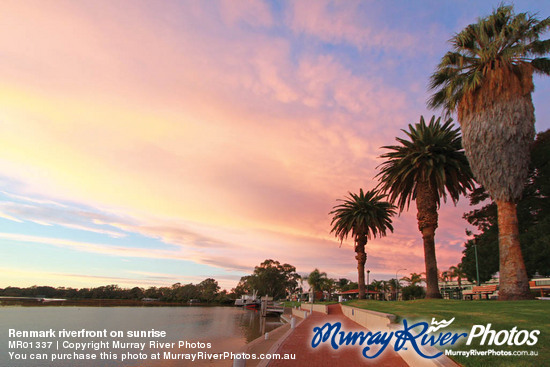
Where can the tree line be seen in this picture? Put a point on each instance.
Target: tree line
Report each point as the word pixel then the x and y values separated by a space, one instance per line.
pixel 207 291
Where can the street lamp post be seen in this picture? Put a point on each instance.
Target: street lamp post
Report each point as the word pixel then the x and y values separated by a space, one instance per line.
pixel 397 284
pixel 477 266
pixel 368 282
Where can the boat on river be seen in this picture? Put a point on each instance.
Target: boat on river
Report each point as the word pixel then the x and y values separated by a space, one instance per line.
pixel 249 300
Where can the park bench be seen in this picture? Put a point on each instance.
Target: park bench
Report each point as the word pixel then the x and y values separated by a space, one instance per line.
pixel 486 290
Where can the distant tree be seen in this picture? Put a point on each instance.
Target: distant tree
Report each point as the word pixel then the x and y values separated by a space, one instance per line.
pixel 136 293
pixel 152 292
pixel 363 216
pixel 351 286
pixel 208 289
pixel 243 287
pixel 458 273
pixel 411 292
pixel 316 281
pixel 393 285
pixel 329 286
pixel 273 279
pixel 413 279
pixel 342 282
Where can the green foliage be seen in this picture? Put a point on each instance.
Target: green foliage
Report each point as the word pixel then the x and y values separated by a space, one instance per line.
pixel 341 283
pixel 411 292
pixel 533 217
pixel 414 279
pixel 432 154
pixel 364 215
pixel 349 286
pixel 271 278
pixel 206 291
pixel 243 287
pixel 317 281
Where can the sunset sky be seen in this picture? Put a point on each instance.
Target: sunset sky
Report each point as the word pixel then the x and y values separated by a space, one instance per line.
pixel 144 143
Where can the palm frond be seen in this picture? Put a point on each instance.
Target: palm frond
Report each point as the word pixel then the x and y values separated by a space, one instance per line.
pixel 432 154
pixel 541 65
pixel 362 215
pixel 499 41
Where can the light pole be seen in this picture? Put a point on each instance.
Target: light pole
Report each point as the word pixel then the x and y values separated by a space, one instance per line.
pixel 397 284
pixel 477 266
pixel 368 282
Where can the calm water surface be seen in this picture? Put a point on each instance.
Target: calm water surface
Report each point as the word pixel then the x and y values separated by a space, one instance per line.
pixel 227 329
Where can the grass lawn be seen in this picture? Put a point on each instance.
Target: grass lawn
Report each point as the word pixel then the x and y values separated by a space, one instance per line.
pixel 291 304
pixel 502 315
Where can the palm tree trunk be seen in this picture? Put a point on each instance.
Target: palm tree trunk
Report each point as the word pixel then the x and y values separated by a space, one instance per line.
pixel 426 204
pixel 432 284
pixel 514 283
pixel 361 260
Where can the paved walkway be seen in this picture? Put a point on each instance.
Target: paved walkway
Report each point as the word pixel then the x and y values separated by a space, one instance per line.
pixel 299 343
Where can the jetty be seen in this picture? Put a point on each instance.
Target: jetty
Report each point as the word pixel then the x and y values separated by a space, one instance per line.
pixel 268 307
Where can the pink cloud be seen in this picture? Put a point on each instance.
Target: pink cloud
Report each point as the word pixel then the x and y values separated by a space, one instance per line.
pixel 341 23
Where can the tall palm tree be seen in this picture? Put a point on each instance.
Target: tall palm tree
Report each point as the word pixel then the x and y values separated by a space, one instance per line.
pixel 424 169
pixel 364 216
pixel 487 79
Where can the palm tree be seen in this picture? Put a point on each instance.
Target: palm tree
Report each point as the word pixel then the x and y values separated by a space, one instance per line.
pixel 362 216
pixel 414 279
pixel 378 286
pixel 445 276
pixel 316 280
pixel 488 79
pixel 394 286
pixel 425 168
pixel 458 272
pixel 384 288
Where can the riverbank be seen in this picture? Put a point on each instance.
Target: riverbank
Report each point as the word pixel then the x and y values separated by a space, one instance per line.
pixel 44 302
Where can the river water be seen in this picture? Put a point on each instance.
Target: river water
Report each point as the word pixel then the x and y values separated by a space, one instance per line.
pixel 193 330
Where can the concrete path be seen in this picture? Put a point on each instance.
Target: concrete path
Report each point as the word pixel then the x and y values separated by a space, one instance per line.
pixel 299 343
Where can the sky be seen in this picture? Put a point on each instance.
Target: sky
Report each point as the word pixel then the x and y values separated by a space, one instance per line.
pixel 148 143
